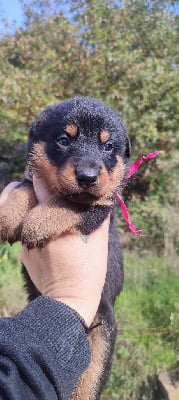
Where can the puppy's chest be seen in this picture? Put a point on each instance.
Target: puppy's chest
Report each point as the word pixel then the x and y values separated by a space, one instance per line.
pixel 83 218
pixel 91 218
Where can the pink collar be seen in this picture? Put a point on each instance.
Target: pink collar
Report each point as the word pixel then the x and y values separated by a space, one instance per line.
pixel 133 168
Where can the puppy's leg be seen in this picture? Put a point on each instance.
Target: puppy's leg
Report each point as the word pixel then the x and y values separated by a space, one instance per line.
pixel 92 381
pixel 47 221
pixel 14 210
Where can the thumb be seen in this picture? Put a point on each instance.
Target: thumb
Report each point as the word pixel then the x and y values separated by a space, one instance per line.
pixel 8 189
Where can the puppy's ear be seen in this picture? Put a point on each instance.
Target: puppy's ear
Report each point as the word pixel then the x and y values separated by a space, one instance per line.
pixel 32 130
pixel 33 135
pixel 127 147
pixel 36 125
pixel 127 143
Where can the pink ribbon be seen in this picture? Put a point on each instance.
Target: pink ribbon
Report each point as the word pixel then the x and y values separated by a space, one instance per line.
pixel 133 168
pixel 125 213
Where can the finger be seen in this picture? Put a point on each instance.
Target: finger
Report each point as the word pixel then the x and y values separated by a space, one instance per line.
pixel 8 189
pixel 41 190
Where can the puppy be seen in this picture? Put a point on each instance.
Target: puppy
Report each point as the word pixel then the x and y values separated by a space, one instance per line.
pixel 80 149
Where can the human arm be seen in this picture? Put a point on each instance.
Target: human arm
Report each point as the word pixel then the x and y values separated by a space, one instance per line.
pixel 46 342
pixel 43 351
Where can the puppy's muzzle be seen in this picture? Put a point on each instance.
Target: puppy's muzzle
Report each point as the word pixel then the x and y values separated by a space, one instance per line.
pixel 87 177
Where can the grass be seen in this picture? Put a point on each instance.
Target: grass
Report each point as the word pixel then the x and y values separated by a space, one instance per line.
pixel 147 314
pixel 12 293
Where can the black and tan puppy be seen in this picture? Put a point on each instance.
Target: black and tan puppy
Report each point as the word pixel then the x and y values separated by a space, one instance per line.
pixel 80 149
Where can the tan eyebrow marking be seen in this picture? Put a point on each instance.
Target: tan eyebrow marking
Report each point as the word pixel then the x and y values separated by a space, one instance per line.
pixel 104 136
pixel 72 130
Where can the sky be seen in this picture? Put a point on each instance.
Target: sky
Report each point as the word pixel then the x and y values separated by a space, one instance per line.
pixel 11 10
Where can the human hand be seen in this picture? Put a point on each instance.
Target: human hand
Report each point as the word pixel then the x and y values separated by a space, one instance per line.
pixel 70 269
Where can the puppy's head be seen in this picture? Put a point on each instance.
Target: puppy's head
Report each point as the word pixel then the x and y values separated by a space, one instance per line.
pixel 80 148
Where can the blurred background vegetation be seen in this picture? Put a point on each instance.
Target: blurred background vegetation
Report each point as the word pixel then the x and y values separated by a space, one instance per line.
pixel 125 53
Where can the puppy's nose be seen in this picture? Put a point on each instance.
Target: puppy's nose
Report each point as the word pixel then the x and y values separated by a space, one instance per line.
pixel 87 176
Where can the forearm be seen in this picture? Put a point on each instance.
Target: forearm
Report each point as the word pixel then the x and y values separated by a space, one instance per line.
pixel 43 352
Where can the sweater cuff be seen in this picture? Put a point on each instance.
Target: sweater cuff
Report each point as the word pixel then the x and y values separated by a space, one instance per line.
pixel 59 326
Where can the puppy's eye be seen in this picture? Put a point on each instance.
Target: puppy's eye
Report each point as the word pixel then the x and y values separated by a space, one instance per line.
pixel 108 146
pixel 63 141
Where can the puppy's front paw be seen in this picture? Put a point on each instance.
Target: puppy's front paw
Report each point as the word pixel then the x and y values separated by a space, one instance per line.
pixel 32 237
pixel 10 230
pixel 14 210
pixel 33 234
